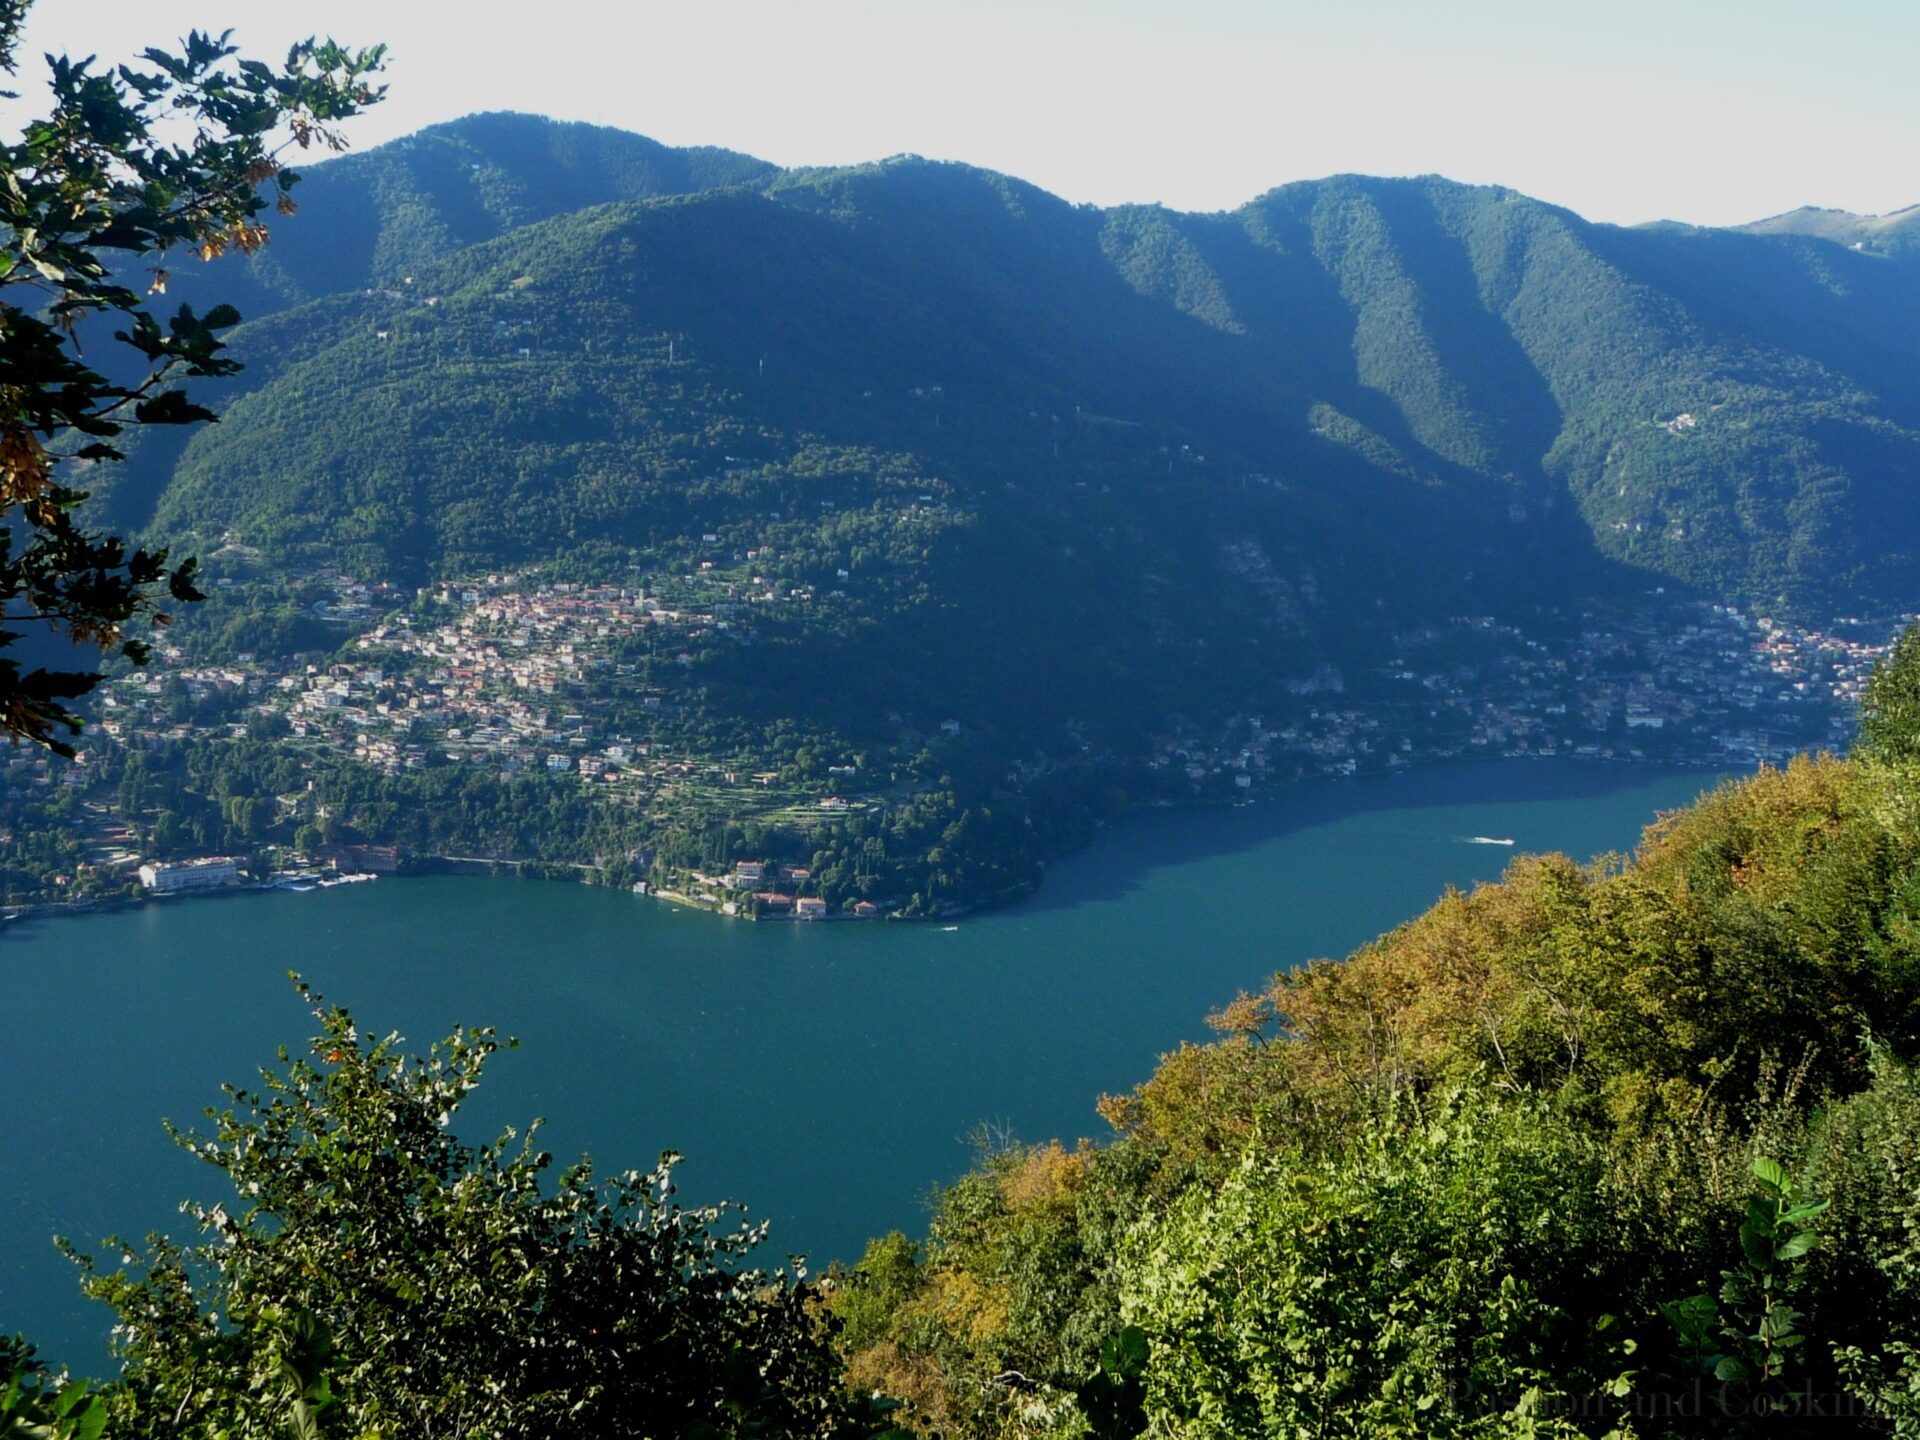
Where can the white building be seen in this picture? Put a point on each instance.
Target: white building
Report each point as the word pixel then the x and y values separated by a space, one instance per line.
pixel 170 877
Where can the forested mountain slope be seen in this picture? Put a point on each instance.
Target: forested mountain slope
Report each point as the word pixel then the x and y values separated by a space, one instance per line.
pixel 1456 380
pixel 1624 1149
pixel 375 218
pixel 369 221
pixel 914 462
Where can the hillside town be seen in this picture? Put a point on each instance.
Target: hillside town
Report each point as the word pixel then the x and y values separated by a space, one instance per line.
pixel 521 677
pixel 583 684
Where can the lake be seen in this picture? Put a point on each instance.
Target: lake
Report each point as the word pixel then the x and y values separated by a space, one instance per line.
pixel 828 1075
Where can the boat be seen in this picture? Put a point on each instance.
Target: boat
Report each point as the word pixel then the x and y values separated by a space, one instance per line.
pixel 1490 840
pixel 949 929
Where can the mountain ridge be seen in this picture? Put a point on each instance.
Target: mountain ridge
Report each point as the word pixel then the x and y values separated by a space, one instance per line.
pixel 404 204
pixel 1897 232
pixel 1397 332
pixel 1434 328
pixel 999 514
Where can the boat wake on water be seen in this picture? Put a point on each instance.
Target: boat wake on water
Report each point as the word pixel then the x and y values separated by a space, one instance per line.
pixel 1486 839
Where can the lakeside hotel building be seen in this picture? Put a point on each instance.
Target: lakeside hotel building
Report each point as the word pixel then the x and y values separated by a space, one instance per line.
pixel 164 878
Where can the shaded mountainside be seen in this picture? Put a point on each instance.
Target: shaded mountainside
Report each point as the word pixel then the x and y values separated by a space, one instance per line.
pixel 1459 382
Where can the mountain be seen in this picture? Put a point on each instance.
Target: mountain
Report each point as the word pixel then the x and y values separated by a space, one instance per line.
pixel 374 218
pixel 1896 233
pixel 371 220
pixel 913 481
pixel 1734 411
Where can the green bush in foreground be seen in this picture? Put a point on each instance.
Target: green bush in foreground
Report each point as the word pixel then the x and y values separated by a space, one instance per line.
pixel 1624 1149
pixel 378 1277
pixel 1436 1279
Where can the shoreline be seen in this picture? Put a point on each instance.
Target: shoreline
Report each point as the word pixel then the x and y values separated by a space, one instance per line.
pixel 481 865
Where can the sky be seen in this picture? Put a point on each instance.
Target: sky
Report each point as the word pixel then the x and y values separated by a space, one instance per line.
pixel 1708 111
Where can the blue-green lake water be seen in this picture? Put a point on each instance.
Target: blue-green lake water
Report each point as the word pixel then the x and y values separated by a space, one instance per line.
pixel 828 1075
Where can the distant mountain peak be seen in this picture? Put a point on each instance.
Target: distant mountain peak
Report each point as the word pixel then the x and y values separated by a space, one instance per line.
pixel 1897 231
pixel 402 207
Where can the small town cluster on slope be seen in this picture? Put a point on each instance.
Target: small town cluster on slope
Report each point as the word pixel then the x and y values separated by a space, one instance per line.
pixel 1693 684
pixel 580 683
pixel 523 676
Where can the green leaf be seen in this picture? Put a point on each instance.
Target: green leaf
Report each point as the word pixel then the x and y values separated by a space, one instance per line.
pixel 1125 1354
pixel 92 1420
pixel 1797 1246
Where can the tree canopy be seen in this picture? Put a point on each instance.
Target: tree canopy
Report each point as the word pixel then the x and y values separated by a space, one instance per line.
pixel 1890 708
pixel 179 152
pixel 372 1274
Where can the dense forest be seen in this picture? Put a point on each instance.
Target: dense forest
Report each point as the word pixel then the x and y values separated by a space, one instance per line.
pixel 502 333
pixel 1626 1149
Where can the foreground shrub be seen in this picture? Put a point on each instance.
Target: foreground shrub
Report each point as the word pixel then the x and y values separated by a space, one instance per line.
pixel 376 1276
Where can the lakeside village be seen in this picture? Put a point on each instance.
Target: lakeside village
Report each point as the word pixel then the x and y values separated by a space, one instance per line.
pixel 521 676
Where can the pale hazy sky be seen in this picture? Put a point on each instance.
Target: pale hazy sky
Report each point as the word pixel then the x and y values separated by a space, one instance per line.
pixel 1712 111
